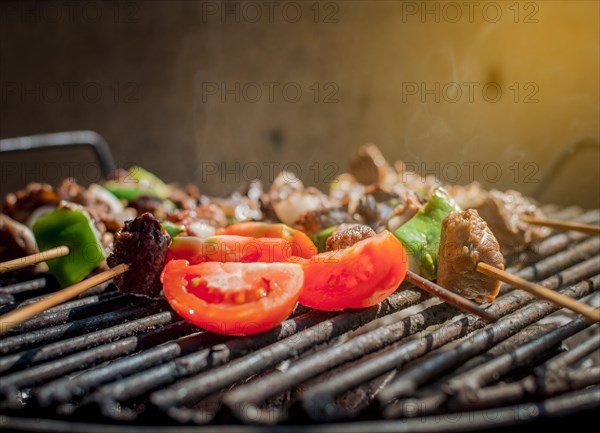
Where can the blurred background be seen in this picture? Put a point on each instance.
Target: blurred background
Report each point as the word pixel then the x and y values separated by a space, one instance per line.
pixel 219 92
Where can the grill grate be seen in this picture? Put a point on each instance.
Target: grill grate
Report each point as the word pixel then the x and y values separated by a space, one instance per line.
pixel 114 358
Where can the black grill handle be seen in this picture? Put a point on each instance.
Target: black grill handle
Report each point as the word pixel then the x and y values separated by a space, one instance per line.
pixel 64 139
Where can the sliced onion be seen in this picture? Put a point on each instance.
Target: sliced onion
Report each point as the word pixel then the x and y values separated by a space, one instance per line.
pixel 37 214
pixel 105 196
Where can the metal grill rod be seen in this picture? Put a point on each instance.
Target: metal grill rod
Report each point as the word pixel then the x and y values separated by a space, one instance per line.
pixel 315 399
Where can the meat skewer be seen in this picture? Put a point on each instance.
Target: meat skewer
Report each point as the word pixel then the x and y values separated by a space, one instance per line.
pixel 348 235
pixel 307 208
pixel 470 263
pixel 146 253
pixel 67 230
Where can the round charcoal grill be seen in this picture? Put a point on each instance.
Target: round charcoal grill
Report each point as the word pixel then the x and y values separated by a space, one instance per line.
pixel 113 362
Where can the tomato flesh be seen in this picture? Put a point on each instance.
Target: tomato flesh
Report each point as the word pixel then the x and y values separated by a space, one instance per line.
pixel 229 248
pixel 233 298
pixel 301 244
pixel 359 276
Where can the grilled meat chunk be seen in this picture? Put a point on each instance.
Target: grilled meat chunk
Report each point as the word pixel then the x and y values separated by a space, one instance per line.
pixel 467 240
pixel 314 221
pixel 16 240
pixel 38 199
pixel 369 165
pixel 186 197
pixel 20 205
pixel 502 211
pixel 154 205
pixel 142 245
pixel 347 235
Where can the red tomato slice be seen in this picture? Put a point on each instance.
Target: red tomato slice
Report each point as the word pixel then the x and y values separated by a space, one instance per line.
pixel 228 248
pixel 359 276
pixel 233 298
pixel 302 245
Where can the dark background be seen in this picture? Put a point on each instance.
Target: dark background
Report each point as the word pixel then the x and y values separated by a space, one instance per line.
pixel 183 88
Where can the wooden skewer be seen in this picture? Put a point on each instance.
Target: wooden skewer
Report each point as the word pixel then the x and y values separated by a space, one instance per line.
pixel 540 291
pixel 33 259
pixel 20 315
pixel 563 225
pixel 450 297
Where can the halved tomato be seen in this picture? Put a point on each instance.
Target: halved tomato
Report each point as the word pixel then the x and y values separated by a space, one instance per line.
pixel 359 276
pixel 302 245
pixel 233 298
pixel 229 248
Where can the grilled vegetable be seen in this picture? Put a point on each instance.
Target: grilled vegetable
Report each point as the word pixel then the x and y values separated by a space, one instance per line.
pixel 138 182
pixel 320 239
pixel 172 229
pixel 301 244
pixel 359 276
pixel 74 228
pixel 233 298
pixel 229 248
pixel 421 234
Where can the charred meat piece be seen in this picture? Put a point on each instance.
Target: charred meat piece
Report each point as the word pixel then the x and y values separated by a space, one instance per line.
pixel 347 235
pixel 38 199
pixel 502 211
pixel 467 240
pixel 313 222
pixel 105 208
pixel 108 208
pixel 142 245
pixel 70 190
pixel 16 240
pixel 185 198
pixel 20 205
pixel 373 212
pixel 154 205
pixel 369 165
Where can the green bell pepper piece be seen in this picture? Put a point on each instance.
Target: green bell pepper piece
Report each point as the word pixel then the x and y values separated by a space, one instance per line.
pixel 138 182
pixel 320 239
pixel 421 234
pixel 172 229
pixel 73 228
